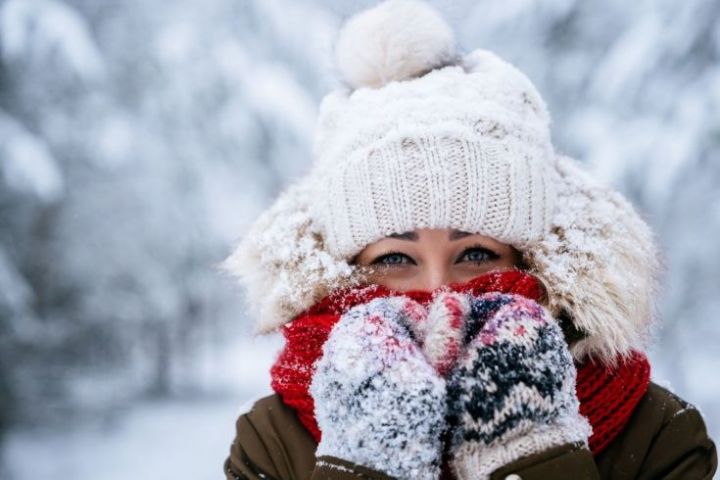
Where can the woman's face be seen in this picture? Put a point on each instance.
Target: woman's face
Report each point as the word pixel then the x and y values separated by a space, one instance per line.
pixel 425 258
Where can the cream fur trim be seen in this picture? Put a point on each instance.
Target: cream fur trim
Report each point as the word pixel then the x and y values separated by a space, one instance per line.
pixel 283 264
pixel 600 263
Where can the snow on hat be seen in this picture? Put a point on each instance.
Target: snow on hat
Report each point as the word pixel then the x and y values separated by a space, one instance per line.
pixel 423 137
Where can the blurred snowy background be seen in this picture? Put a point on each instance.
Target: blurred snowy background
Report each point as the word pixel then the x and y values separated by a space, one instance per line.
pixel 139 137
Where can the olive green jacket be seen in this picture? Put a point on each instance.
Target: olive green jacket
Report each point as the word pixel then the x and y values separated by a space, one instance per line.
pixel 665 438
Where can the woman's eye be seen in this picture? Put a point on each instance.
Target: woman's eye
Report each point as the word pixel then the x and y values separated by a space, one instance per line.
pixel 478 255
pixel 392 259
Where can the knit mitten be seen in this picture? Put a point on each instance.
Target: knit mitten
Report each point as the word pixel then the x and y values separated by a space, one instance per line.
pixel 512 392
pixel 378 402
pixel 441 335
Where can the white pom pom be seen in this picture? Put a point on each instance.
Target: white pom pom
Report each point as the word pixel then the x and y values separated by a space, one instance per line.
pixel 395 40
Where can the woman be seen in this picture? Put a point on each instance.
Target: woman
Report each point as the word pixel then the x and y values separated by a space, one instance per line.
pixel 458 300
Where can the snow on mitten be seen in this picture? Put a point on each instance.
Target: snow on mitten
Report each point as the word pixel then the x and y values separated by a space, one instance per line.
pixel 378 402
pixel 441 335
pixel 512 393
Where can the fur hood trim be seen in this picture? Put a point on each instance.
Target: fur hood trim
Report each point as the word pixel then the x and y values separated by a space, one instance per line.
pixel 601 264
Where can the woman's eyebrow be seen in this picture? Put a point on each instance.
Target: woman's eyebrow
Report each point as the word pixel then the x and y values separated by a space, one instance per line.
pixel 412 236
pixel 458 234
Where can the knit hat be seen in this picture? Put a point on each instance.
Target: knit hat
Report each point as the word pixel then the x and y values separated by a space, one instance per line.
pixel 421 136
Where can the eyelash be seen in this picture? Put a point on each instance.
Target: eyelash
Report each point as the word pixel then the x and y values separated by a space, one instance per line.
pixel 490 254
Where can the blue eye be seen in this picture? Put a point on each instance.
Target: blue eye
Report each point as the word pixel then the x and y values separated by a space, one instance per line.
pixel 478 255
pixel 393 258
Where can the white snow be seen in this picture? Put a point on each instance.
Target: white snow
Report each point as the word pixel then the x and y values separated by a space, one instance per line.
pixel 174 438
pixel 39 27
pixel 27 164
pixel 14 290
pixel 170 439
pixel 124 192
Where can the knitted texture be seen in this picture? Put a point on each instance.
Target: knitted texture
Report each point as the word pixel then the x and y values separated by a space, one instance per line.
pixel 378 401
pixel 610 394
pixel 428 138
pixel 603 392
pixel 465 146
pixel 513 391
pixel 441 334
pixel 423 136
pixel 291 373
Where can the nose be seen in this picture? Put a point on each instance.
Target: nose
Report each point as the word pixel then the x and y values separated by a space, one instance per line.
pixel 435 276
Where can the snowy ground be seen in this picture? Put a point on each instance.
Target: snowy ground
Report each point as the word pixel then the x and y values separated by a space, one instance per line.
pixel 179 439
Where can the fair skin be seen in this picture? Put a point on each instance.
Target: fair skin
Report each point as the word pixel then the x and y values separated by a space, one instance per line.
pixel 425 258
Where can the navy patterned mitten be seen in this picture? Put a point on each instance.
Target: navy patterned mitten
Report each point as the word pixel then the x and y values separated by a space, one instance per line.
pixel 512 392
pixel 378 401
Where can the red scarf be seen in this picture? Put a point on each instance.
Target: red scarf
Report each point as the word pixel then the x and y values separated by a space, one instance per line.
pixel 607 396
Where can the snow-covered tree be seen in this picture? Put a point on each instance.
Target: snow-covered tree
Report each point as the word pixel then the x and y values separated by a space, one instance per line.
pixel 138 138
